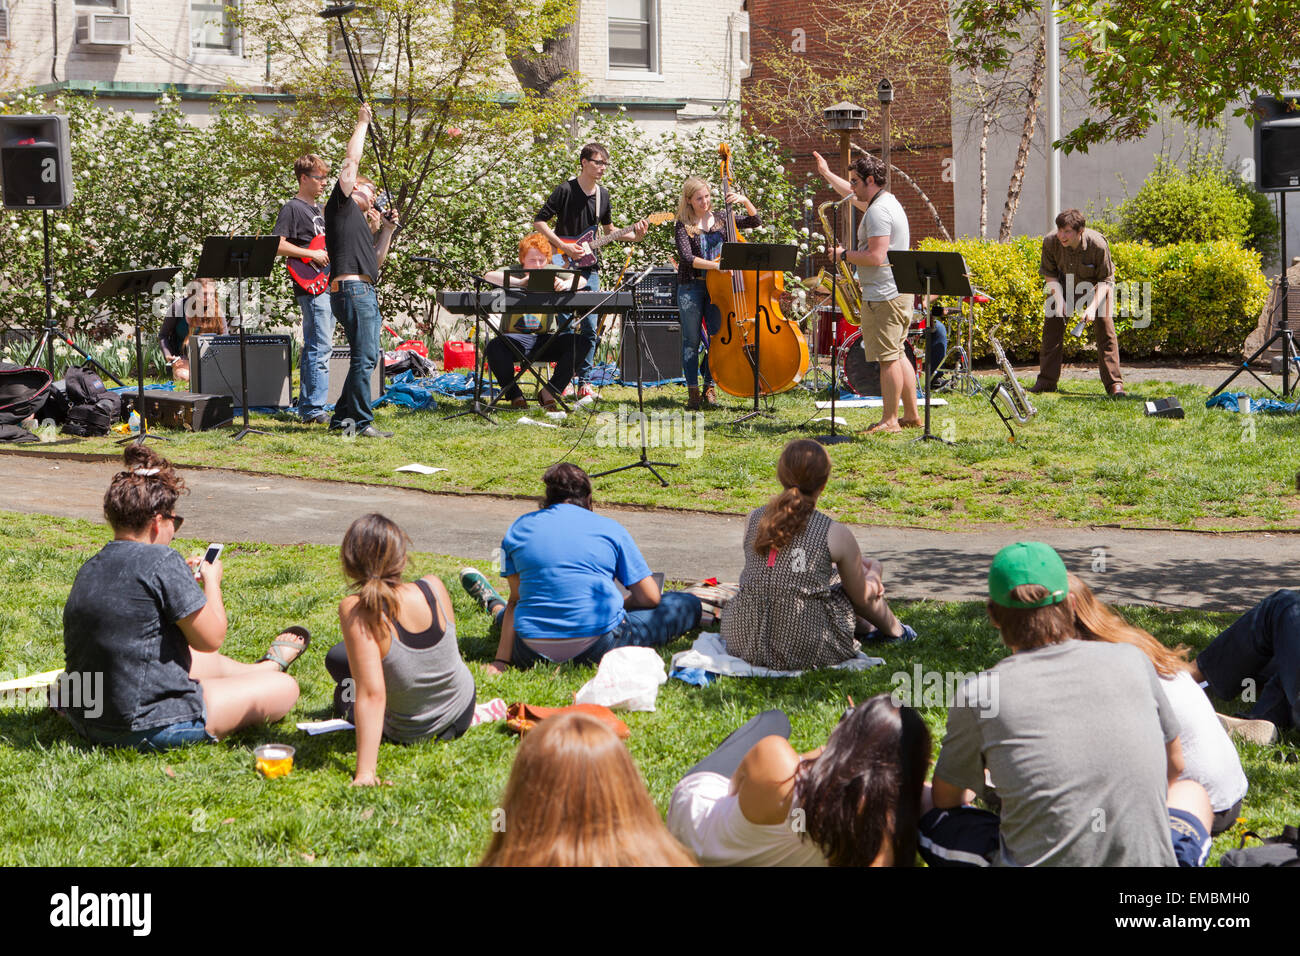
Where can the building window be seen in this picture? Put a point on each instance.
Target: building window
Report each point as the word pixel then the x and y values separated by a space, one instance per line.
pixel 4 21
pixel 212 28
pixel 632 35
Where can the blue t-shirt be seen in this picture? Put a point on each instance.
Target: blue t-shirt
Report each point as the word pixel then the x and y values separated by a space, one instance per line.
pixel 567 559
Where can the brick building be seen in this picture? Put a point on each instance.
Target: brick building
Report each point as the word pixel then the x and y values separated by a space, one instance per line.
pixel 920 113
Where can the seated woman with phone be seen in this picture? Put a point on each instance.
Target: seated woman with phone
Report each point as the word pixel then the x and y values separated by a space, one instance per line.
pixel 137 616
pixel 531 336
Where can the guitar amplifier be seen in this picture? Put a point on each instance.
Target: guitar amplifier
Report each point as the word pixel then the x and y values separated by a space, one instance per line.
pixel 214 368
pixel 185 411
pixel 656 296
pixel 661 351
pixel 340 359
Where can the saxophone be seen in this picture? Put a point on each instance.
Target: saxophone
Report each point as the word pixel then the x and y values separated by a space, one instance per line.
pixel 848 295
pixel 1017 402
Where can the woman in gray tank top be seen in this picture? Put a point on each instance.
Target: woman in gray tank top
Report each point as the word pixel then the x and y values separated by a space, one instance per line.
pixel 399 656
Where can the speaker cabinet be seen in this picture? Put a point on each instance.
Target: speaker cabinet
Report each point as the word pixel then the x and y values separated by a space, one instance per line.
pixel 214 368
pixel 1277 143
pixel 35 162
pixel 661 351
pixel 340 359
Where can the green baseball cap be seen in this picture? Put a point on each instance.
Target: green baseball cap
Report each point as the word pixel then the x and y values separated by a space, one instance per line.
pixel 1027 562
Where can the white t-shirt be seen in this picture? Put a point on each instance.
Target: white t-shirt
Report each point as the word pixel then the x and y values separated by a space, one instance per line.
pixel 885 217
pixel 705 817
pixel 1209 756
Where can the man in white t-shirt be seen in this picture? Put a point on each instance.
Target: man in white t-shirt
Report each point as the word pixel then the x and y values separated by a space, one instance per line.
pixel 886 314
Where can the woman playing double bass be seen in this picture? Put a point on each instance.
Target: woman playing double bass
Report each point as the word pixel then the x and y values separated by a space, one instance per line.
pixel 700 233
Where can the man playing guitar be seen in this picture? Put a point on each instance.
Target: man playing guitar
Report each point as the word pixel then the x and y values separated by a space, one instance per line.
pixel 301 228
pixel 580 205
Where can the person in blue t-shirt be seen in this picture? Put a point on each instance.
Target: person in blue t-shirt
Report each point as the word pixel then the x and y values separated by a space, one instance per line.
pixel 564 564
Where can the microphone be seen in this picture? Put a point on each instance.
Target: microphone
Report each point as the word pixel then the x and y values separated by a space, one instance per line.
pixel 1078 329
pixel 338 10
pixel 642 277
pixel 843 201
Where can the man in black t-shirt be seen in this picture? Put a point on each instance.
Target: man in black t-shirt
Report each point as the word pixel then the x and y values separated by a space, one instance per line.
pixel 301 220
pixel 579 205
pixel 357 239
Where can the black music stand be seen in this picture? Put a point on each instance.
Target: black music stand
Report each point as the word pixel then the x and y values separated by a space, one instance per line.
pixel 135 284
pixel 757 257
pixel 644 461
pixel 928 274
pixel 239 258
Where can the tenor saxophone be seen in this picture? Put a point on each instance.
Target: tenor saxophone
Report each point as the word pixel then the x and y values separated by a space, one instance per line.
pixel 848 295
pixel 1017 402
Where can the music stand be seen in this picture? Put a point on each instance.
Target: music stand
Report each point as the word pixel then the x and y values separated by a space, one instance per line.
pixel 756 257
pixel 239 258
pixel 135 283
pixel 929 274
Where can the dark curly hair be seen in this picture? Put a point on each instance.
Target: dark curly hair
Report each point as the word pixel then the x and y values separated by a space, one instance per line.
pixel 147 487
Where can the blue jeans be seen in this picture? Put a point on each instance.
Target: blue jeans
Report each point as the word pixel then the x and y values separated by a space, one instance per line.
pixel 317 344
pixel 356 308
pixel 1262 646
pixel 587 337
pixel 148 741
pixel 695 308
pixel 677 613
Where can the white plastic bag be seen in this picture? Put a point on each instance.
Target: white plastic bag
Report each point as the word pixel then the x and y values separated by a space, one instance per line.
pixel 628 679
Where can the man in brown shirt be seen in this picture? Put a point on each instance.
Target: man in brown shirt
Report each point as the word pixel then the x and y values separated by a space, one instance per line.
pixel 1080 279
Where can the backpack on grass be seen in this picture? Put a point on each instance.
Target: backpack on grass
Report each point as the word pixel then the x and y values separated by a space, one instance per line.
pixel 92 408
pixel 1281 850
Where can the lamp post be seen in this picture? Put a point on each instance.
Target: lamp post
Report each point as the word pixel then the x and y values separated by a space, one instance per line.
pixel 847 119
pixel 885 93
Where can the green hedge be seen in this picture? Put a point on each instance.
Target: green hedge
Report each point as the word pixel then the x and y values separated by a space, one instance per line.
pixel 1204 297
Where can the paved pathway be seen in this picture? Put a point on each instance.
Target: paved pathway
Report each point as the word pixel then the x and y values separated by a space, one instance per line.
pixel 1166 568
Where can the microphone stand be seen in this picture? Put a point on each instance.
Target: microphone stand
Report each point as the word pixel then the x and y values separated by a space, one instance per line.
pixel 476 406
pixel 833 438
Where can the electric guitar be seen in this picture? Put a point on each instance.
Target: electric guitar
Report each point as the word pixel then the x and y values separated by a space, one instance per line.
pixel 306 274
pixel 591 242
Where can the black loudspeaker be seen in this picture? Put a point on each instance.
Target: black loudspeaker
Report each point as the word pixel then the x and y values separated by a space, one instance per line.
pixel 661 351
pixel 340 359
pixel 214 368
pixel 1277 143
pixel 35 162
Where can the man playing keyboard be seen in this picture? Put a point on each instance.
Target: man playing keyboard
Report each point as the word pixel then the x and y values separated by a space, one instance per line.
pixel 532 335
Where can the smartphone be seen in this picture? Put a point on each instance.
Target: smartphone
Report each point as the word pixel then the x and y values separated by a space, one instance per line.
pixel 213 552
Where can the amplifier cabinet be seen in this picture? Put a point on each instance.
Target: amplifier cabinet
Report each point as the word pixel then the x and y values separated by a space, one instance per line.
pixel 214 368
pixel 661 351
pixel 184 411
pixel 657 292
pixel 340 359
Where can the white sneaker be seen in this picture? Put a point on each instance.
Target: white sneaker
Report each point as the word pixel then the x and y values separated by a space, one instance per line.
pixel 586 391
pixel 1262 732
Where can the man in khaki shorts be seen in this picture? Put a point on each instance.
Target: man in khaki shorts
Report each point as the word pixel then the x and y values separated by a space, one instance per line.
pixel 886 314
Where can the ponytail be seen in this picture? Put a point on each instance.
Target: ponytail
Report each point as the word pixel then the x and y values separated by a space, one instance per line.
pixel 373 557
pixel 803 470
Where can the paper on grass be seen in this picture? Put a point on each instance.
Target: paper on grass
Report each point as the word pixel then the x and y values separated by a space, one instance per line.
pixel 826 418
pixel 315 727
pixel 420 469
pixel 525 420
pixel 31 681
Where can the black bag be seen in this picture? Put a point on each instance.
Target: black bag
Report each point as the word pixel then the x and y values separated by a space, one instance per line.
pixel 23 392
pixel 1281 850
pixel 84 387
pixel 95 418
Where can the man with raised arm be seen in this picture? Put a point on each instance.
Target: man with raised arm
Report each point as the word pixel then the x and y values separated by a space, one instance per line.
pixel 357 238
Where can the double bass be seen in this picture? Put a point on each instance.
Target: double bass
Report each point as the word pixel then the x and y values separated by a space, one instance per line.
pixel 782 356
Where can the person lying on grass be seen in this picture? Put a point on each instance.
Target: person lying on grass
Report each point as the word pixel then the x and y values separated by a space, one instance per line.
pixel 854 801
pixel 398 668
pixel 565 563
pixel 807 595
pixel 137 619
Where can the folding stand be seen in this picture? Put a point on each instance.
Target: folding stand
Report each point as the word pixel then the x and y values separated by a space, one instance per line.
pixel 239 258
pixel 135 284
pixel 930 273
pixel 756 257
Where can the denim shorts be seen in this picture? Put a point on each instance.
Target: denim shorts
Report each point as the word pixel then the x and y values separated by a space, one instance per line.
pixel 152 740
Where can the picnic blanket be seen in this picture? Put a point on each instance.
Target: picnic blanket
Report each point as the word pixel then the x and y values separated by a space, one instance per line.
pixel 709 654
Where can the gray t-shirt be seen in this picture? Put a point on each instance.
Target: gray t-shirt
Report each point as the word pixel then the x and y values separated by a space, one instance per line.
pixel 885 217
pixel 1073 736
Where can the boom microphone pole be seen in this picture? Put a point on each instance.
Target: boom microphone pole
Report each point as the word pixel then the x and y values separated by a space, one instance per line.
pixel 339 11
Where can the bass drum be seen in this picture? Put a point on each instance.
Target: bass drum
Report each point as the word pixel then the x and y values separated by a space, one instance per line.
pixel 858 375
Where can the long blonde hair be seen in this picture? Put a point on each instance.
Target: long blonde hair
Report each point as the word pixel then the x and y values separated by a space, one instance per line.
pixel 1094 621
pixel 685 211
pixel 575 798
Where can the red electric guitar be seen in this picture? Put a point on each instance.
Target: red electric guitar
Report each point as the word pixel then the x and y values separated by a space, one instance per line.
pixel 308 276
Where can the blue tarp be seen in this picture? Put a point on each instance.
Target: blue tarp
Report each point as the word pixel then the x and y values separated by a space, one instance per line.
pixel 1231 401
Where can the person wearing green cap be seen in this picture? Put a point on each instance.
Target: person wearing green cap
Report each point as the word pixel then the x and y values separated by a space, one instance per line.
pixel 1077 738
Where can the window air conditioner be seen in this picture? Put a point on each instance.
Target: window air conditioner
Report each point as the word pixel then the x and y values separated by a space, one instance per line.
pixel 104 29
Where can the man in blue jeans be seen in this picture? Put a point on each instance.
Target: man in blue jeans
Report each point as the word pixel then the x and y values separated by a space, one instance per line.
pixel 357 239
pixel 299 224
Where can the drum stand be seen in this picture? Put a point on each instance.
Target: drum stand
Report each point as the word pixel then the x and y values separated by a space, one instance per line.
pixel 962 380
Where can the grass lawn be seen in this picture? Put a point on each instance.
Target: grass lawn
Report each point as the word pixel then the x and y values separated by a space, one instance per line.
pixel 1084 460
pixel 68 804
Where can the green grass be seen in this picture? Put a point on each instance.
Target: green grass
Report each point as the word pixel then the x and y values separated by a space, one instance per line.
pixel 1084 460
pixel 69 804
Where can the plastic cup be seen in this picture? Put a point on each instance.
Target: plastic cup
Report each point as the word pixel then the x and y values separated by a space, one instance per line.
pixel 273 760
